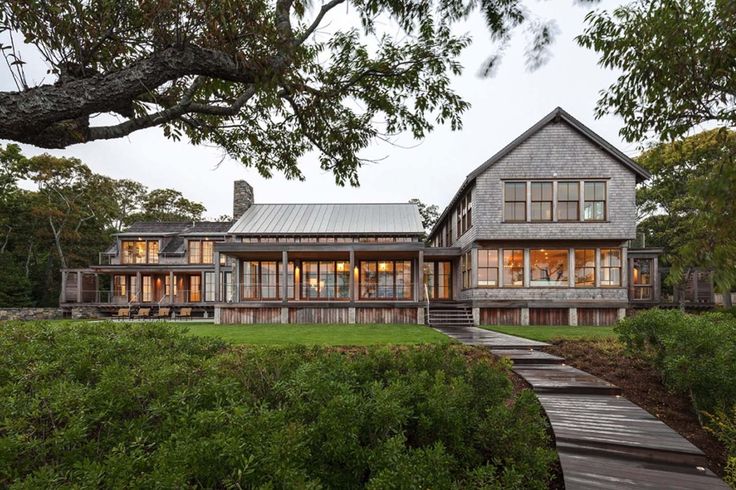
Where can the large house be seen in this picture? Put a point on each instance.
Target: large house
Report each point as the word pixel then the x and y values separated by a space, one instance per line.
pixel 538 234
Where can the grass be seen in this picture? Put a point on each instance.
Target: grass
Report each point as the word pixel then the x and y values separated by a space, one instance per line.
pixel 342 335
pixel 546 333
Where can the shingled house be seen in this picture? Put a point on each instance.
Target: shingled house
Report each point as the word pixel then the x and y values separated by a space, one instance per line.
pixel 537 234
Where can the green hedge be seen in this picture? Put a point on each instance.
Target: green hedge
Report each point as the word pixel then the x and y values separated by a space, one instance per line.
pixel 143 406
pixel 696 355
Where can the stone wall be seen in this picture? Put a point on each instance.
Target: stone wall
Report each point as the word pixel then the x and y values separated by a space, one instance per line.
pixel 242 198
pixel 30 314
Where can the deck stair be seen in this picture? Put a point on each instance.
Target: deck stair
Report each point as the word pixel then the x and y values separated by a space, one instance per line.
pixel 451 315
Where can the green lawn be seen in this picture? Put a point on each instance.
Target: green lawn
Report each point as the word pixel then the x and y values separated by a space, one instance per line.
pixel 545 333
pixel 321 334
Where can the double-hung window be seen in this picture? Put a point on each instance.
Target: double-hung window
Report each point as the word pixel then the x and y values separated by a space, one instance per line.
pixel 514 201
pixel 487 268
pixel 594 202
pixel 541 205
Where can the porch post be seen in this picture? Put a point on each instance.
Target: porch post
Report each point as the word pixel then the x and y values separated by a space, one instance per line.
pixel 218 281
pixel 79 286
pixel 172 287
pixel 284 276
pixel 202 287
pixel 138 287
pixel 237 279
pixel 420 277
pixel 97 288
pixel 62 294
pixel 351 280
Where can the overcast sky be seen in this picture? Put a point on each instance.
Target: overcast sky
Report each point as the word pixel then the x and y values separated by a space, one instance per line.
pixel 502 108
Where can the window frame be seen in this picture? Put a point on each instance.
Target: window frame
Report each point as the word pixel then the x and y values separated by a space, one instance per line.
pixel 466 270
pixel 566 183
pixel 582 266
pixel 148 256
pixel 506 284
pixel 585 200
pixel 335 273
pixel 377 284
pixel 486 251
pixel 258 285
pixel 603 267
pixel 507 201
pixel 551 201
pixel 199 246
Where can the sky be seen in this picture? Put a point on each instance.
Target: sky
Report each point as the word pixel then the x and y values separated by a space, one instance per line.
pixel 502 107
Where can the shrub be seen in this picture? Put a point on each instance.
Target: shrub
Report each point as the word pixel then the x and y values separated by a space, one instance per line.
pixel 140 406
pixel 723 425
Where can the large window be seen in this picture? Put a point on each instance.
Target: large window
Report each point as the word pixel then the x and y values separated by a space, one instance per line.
pixel 541 207
pixel 201 251
pixel 610 267
pixel 594 205
pixel 386 279
pixel 514 201
pixel 438 278
pixel 513 268
pixel 209 286
pixel 195 288
pixel 641 279
pixel 464 214
pixel 549 267
pixel 119 286
pixel 140 252
pixel 487 268
pixel 466 266
pixel 262 280
pixel 568 201
pixel 585 267
pixel 326 280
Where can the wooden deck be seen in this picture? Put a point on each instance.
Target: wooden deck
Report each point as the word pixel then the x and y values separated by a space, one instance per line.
pixel 603 440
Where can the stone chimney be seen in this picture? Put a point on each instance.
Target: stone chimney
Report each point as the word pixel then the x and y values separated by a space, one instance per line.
pixel 242 198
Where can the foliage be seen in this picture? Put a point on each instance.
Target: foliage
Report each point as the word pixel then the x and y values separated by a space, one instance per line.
pixel 66 220
pixel 428 212
pixel 688 205
pixel 266 80
pixel 695 353
pixel 723 425
pixel 142 406
pixel 678 64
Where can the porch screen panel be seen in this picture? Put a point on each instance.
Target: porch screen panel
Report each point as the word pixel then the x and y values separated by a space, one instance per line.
pixel 549 267
pixel 404 284
pixel 342 280
pixel 310 280
pixel 269 280
pixel 250 280
pixel 368 280
pixel 327 280
pixel 386 279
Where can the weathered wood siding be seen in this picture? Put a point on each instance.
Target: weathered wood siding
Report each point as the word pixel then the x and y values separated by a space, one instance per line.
pixel 597 316
pixel 250 315
pixel 318 315
pixel 500 316
pixel 549 316
pixel 385 315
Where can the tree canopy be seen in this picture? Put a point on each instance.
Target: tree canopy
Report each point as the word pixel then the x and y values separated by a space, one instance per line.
pixel 678 64
pixel 428 212
pixel 688 205
pixel 266 80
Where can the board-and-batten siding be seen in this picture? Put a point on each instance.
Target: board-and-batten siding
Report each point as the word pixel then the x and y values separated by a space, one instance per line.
pixel 549 316
pixel 250 315
pixel 318 315
pixel 386 315
pixel 597 316
pixel 500 316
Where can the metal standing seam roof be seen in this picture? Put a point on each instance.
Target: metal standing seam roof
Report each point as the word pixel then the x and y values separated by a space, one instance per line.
pixel 322 219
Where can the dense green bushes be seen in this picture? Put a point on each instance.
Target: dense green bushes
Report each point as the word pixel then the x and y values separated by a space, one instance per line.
pixel 696 355
pixel 111 405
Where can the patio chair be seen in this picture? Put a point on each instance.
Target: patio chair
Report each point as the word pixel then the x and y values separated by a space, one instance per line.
pixel 143 313
pixel 122 313
pixel 185 313
pixel 163 313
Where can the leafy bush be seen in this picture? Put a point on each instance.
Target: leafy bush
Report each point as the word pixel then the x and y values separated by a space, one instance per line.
pixel 723 425
pixel 141 406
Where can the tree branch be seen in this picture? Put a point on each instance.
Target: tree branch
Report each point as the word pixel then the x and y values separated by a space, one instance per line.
pixel 318 20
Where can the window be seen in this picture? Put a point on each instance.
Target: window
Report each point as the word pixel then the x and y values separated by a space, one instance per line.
pixel 568 201
pixel 464 214
pixel 438 278
pixel 594 204
pixel 466 266
pixel 487 268
pixel 541 209
pixel 269 284
pixel 326 280
pixel 195 288
pixel 201 251
pixel 641 279
pixel 610 267
pixel 514 201
pixel 209 286
pixel 139 252
pixel 585 267
pixel 448 232
pixel 147 289
pixel 386 279
pixel 513 268
pixel 227 284
pixel 262 280
pixel 549 267
pixel 119 286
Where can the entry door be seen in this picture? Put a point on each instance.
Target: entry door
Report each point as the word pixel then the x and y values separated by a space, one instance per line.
pixel 438 279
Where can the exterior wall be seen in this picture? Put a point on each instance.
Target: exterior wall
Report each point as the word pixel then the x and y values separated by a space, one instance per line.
pixel 547 295
pixel 319 314
pixel 7 314
pixel 556 149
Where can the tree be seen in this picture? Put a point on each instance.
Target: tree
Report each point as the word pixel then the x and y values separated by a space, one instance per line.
pixel 167 205
pixel 689 204
pixel 266 80
pixel 429 214
pixel 678 59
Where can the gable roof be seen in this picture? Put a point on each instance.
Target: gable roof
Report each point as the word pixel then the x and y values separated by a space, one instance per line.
pixel 177 227
pixel 558 114
pixel 330 219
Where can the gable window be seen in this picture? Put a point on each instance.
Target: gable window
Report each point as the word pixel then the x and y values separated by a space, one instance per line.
pixel 568 201
pixel 585 267
pixel 541 205
pixel 466 266
pixel 139 252
pixel 594 203
pixel 513 268
pixel 549 267
pixel 464 214
pixel 201 251
pixel 487 268
pixel 610 267
pixel 514 201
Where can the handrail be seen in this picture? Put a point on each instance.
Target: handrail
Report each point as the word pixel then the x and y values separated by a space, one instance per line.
pixel 426 297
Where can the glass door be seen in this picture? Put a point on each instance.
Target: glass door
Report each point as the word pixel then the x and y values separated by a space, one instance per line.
pixel 438 280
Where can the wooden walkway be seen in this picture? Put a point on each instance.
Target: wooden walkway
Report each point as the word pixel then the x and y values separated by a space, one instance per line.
pixel 603 440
